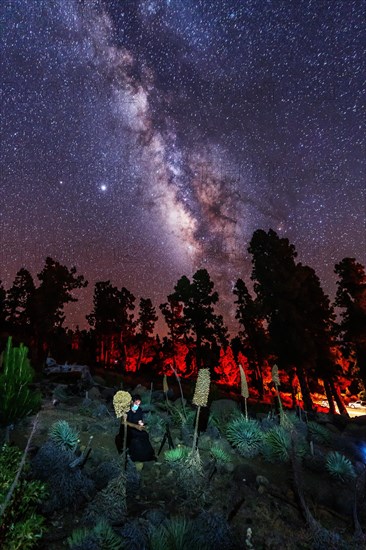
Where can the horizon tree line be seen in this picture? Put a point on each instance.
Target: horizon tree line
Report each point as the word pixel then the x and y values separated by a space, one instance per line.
pixel 288 320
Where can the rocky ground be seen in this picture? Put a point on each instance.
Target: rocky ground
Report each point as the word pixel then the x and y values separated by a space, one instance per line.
pixel 256 497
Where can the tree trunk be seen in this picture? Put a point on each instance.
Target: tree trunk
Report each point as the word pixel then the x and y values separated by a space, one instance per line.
pixel 338 398
pixel 329 395
pixel 308 403
pixel 141 354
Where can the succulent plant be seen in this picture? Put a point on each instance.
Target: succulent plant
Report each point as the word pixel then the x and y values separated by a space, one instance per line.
pixel 64 436
pixel 277 446
pixel 221 456
pixel 339 467
pixel 319 433
pixel 245 435
pixel 101 536
pixel 175 455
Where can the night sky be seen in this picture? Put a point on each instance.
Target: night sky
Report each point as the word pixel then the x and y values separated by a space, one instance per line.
pixel 142 139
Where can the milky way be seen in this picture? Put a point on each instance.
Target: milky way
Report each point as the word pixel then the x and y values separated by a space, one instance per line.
pixel 142 140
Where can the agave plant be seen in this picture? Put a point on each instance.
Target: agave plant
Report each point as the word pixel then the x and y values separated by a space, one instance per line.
pixel 339 467
pixel 174 534
pixel 319 433
pixel 176 455
pixel 221 456
pixel 245 435
pixel 64 436
pixel 277 446
pixel 101 536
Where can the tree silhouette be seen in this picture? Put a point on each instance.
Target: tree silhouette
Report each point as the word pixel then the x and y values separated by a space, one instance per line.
pixel 173 315
pixel 146 322
pixel 20 302
pixel 295 307
pixel 2 307
pixel 198 298
pixel 252 331
pixel 351 297
pixel 112 319
pixel 57 282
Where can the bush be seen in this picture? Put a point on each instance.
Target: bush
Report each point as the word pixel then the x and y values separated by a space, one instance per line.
pixel 339 467
pixel 68 487
pixel 100 537
pixel 110 503
pixel 21 527
pixel 245 435
pixel 16 399
pixel 319 433
pixel 277 445
pixel 64 436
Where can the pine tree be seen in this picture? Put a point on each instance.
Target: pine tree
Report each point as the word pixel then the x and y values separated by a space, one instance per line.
pixel 20 302
pixel 252 331
pixel 146 323
pixel 57 283
pixel 297 311
pixel 351 297
pixel 198 298
pixel 2 307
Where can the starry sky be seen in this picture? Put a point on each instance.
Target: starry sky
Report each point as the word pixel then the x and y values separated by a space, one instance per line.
pixel 145 139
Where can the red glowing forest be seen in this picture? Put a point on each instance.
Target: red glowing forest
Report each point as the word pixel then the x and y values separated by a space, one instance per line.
pixel 288 320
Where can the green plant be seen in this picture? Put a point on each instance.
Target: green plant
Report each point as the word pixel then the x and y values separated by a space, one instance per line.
pixel 101 537
pixel 16 399
pixel 319 433
pixel 175 455
pixel 339 467
pixel 174 534
pixel 110 503
pixel 245 435
pixel 64 436
pixel 277 446
pixel 221 456
pixel 21 527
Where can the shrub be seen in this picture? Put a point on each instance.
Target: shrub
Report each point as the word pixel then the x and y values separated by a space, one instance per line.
pixel 21 526
pixel 110 503
pixel 245 435
pixel 319 433
pixel 64 436
pixel 16 399
pixel 68 487
pixel 174 534
pixel 100 537
pixel 339 467
pixel 175 455
pixel 277 445
pixel 221 456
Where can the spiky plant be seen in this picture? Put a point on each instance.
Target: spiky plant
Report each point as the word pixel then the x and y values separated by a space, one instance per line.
pixel 174 534
pixel 339 467
pixel 200 398
pixel 110 503
pixel 175 455
pixel 277 444
pixel 64 436
pixel 221 456
pixel 245 435
pixel 16 399
pixel 318 433
pixel 101 537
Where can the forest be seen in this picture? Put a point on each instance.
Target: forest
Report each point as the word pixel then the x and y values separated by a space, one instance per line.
pixel 287 320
